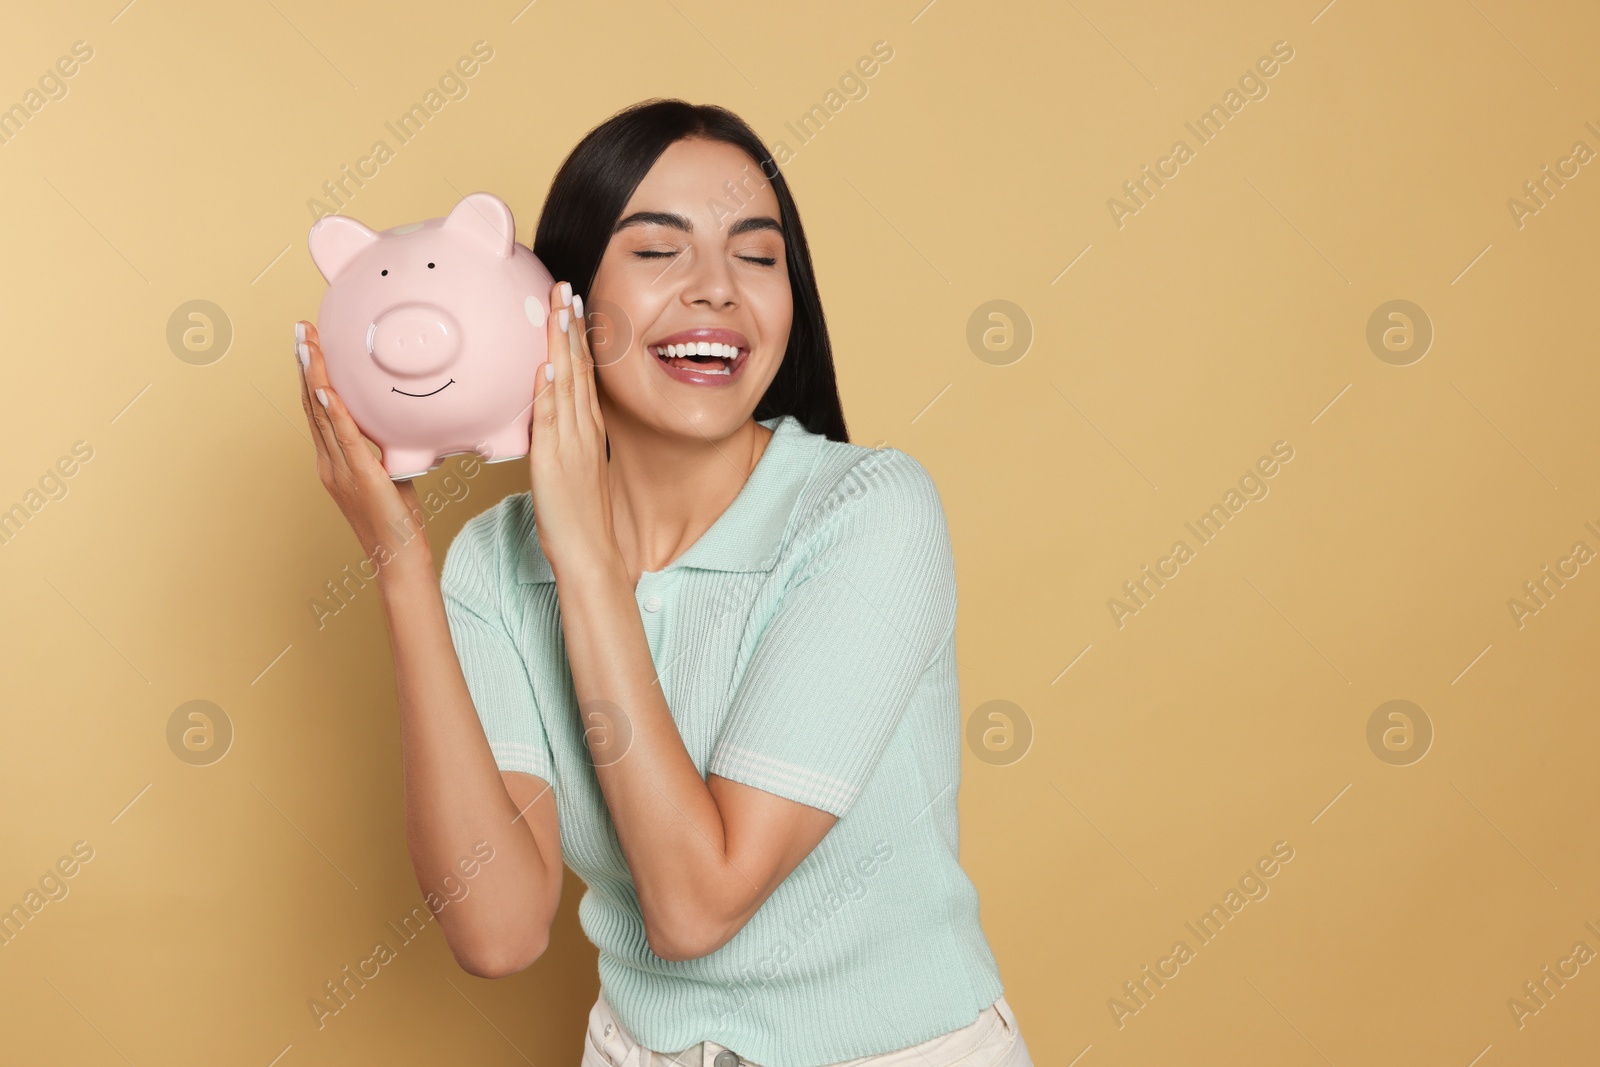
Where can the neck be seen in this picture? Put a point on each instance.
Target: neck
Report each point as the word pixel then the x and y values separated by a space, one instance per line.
pixel 668 489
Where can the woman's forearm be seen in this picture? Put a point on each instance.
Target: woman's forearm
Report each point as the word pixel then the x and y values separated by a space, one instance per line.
pixel 668 824
pixel 455 797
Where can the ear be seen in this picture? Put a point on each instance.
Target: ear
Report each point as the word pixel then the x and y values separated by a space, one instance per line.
pixel 484 218
pixel 336 240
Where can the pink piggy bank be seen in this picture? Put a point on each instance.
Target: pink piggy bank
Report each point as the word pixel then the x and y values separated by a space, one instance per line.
pixel 433 332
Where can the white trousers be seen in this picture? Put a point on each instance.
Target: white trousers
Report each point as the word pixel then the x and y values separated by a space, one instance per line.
pixel 992 1040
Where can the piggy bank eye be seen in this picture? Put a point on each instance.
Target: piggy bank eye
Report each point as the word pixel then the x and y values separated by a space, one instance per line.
pixel 385 271
pixel 430 266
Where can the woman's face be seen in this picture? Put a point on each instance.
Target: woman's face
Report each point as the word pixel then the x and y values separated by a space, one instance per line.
pixel 698 259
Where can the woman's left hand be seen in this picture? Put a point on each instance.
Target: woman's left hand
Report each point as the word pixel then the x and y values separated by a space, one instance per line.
pixel 568 467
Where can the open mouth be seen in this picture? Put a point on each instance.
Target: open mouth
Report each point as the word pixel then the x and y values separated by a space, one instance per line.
pixel 703 357
pixel 441 388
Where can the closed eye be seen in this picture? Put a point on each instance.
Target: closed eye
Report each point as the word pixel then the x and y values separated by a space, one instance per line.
pixel 765 261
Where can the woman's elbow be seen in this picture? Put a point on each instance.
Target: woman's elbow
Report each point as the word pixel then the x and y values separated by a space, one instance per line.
pixel 674 949
pixel 687 939
pixel 498 958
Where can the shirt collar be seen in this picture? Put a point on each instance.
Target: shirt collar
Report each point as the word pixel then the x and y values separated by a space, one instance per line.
pixel 748 535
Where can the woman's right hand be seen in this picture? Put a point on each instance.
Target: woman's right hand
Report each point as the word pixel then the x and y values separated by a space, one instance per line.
pixel 456 798
pixel 384 514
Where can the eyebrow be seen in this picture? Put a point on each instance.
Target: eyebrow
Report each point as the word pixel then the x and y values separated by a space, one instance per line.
pixel 679 222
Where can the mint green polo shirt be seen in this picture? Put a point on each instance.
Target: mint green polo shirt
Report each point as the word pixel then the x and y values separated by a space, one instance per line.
pixel 806 647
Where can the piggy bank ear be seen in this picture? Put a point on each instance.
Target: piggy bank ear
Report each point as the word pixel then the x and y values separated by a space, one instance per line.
pixel 485 219
pixel 336 240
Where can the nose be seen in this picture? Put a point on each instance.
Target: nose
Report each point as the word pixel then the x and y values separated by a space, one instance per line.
pixel 414 339
pixel 710 282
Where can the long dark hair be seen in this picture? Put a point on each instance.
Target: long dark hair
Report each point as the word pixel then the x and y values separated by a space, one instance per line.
pixel 590 191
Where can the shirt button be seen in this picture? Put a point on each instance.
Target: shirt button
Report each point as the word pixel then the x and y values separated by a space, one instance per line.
pixel 726 1058
pixel 653 603
pixel 609 1028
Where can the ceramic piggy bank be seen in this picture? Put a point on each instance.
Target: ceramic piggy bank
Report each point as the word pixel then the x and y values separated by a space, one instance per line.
pixel 433 332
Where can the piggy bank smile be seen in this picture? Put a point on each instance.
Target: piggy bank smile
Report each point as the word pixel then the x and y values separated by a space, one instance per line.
pixel 441 389
pixel 416 309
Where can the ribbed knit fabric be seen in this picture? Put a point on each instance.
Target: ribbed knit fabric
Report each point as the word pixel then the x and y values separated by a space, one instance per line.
pixel 806 647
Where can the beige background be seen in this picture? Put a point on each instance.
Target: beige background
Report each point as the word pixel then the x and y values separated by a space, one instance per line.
pixel 1229 313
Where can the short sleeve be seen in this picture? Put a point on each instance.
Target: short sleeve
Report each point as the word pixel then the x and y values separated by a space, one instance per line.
pixel 495 670
pixel 862 620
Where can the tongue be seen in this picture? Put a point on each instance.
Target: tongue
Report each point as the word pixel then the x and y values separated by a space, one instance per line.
pixel 703 363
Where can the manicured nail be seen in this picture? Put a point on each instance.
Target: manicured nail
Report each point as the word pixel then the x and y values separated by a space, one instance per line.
pixel 322 397
pixel 563 317
pixel 299 332
pixel 549 372
pixel 577 305
pixel 303 350
pixel 566 292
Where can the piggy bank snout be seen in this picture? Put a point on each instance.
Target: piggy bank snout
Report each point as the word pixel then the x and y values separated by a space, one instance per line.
pixel 414 339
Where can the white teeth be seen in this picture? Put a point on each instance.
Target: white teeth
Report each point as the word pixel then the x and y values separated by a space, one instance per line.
pixel 701 348
pixel 697 348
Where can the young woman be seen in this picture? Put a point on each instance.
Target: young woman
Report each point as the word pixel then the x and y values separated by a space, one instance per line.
pixel 716 636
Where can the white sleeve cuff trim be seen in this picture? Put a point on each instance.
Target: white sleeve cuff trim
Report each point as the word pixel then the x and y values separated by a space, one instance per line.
pixel 830 794
pixel 520 756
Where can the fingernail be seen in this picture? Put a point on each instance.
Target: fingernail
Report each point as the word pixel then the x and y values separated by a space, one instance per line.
pixel 322 397
pixel 577 305
pixel 566 292
pixel 299 332
pixel 563 317
pixel 549 372
pixel 303 350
